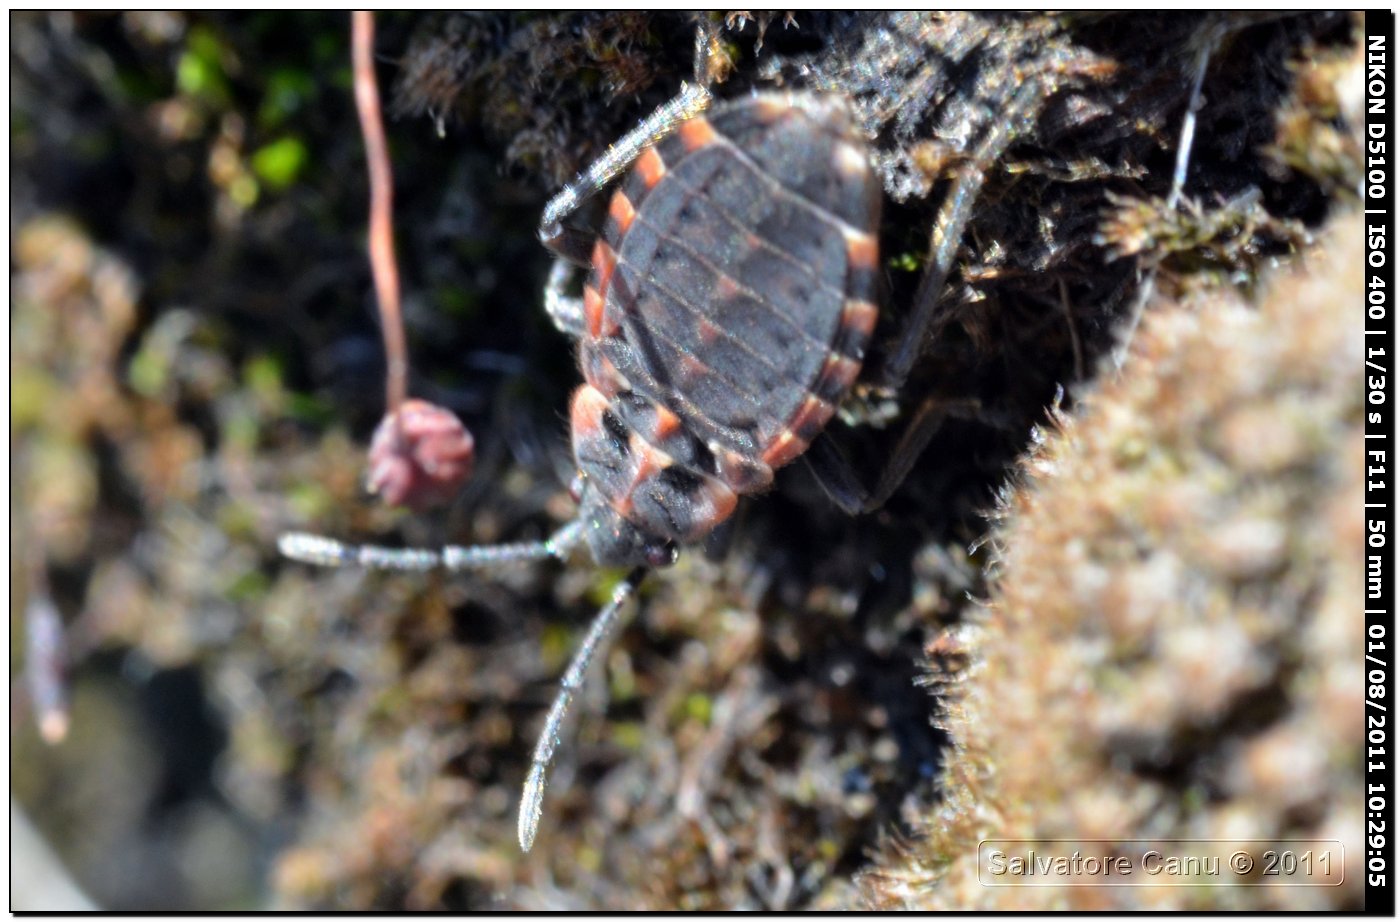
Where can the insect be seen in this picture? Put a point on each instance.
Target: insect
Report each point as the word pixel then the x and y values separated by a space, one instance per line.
pixel 731 299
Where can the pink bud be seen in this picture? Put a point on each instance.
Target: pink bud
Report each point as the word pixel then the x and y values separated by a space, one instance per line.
pixel 420 456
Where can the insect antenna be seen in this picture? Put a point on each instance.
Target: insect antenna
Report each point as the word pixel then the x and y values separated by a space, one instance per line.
pixel 532 798
pixel 328 552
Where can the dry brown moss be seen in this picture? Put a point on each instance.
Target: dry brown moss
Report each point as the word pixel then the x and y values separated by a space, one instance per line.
pixel 1170 647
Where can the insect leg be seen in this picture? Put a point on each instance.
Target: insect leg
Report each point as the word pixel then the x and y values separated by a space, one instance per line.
pixel 838 479
pixel 1211 37
pixel 564 309
pixel 833 472
pixel 532 797
pixel 566 241
pixel 949 225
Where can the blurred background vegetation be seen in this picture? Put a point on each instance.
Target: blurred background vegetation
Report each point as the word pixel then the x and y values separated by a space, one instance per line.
pixel 196 367
pixel 190 307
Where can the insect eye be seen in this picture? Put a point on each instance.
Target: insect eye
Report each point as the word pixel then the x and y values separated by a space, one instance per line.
pixel 662 555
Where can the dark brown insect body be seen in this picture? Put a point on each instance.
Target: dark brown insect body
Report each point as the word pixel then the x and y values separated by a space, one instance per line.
pixel 731 300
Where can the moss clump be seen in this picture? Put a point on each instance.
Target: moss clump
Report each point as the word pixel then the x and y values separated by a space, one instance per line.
pixel 1169 647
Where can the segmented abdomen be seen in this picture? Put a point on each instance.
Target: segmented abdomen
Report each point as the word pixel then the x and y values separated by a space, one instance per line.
pixel 731 300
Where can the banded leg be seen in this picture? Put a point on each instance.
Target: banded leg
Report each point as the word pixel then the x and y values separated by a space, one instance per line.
pixel 575 246
pixel 327 552
pixel 532 797
pixel 710 65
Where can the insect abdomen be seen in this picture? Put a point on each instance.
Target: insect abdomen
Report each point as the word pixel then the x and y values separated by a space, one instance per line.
pixel 733 294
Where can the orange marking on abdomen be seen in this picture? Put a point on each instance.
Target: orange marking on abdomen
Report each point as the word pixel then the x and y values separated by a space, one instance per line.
pixel 837 375
pixel 667 424
pixel 784 448
pixel 604 262
pixel 622 212
pixel 805 425
pixel 646 460
pixel 651 167
pixel 739 472
pixel 696 133
pixel 727 288
pixel 595 294
pixel 691 371
pixel 709 332
pixel 849 161
pixel 769 109
pixel 859 315
pixel 862 250
pixel 586 413
pixel 593 311
pixel 720 503
pixel 650 459
pixel 810 418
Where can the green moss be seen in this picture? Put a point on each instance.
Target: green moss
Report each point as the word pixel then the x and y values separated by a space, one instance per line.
pixel 698 708
pixel 280 163
pixel 200 70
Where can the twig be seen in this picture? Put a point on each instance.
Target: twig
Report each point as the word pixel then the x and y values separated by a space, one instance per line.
pixel 381 210
pixel 421 453
pixel 1210 41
